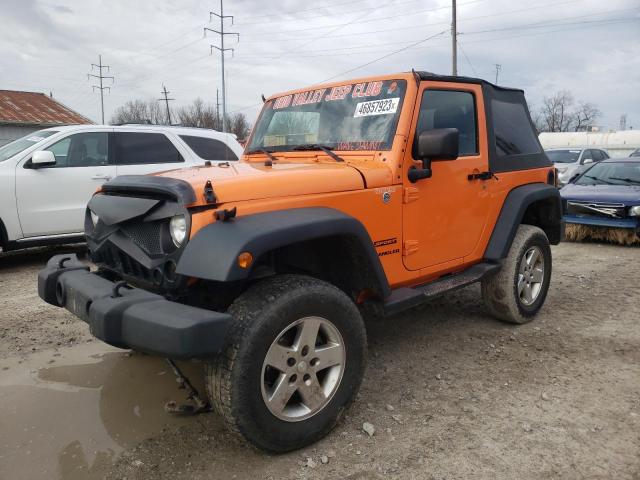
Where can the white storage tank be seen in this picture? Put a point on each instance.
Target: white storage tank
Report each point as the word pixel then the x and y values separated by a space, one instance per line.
pixel 618 144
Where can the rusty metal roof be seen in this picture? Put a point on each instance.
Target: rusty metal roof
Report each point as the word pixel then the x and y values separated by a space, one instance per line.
pixel 32 108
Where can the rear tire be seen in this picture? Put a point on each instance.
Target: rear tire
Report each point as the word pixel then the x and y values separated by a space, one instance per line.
pixel 293 361
pixel 517 292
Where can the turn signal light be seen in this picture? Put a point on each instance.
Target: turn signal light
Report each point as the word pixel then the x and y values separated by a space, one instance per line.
pixel 245 259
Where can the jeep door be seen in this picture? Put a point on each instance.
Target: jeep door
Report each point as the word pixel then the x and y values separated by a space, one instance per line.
pixel 145 152
pixel 445 215
pixel 52 199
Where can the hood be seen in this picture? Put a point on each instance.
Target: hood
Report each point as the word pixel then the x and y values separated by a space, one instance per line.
pixel 627 194
pixel 240 181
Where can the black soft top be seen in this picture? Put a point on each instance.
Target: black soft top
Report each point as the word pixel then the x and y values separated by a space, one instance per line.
pixel 434 77
pixel 513 138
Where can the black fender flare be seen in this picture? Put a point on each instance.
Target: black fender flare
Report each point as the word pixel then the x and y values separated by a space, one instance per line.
pixel 212 253
pixel 512 214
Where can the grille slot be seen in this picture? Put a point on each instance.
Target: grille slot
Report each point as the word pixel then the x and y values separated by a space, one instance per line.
pixel 116 260
pixel 145 235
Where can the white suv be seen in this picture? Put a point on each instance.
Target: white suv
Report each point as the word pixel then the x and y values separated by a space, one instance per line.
pixel 571 161
pixel 47 177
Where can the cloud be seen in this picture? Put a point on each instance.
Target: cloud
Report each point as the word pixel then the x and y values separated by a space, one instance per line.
pixel 586 46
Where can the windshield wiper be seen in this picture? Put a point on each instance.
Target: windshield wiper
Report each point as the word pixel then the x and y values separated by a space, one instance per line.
pixel 598 179
pixel 316 146
pixel 268 153
pixel 628 180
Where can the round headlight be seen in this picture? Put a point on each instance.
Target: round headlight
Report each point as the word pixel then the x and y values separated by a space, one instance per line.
pixel 178 229
pixel 634 211
pixel 94 218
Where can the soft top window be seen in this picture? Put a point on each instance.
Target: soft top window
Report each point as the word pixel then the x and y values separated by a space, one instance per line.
pixel 513 131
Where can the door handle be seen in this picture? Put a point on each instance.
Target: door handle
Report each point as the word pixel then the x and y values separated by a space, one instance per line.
pixel 101 177
pixel 481 176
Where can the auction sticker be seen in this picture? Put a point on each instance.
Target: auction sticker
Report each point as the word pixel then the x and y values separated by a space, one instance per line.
pixel 377 107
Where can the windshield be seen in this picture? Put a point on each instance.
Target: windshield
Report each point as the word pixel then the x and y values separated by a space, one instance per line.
pixel 623 173
pixel 359 116
pixel 10 149
pixel 563 156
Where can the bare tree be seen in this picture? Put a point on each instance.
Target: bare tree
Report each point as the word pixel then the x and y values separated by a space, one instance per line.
pixel 585 115
pixel 558 114
pixel 140 111
pixel 198 114
pixel 239 125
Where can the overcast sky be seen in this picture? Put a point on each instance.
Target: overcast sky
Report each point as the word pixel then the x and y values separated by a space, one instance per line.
pixel 589 47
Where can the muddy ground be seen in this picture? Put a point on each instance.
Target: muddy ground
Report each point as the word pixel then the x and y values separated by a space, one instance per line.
pixel 451 392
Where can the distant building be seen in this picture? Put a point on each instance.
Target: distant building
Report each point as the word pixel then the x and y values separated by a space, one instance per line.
pixel 618 144
pixel 24 112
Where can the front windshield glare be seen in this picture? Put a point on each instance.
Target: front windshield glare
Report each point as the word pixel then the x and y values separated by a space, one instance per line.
pixel 10 149
pixel 563 156
pixel 358 116
pixel 623 173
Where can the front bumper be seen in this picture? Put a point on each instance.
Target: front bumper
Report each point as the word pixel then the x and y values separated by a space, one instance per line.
pixel 631 223
pixel 131 318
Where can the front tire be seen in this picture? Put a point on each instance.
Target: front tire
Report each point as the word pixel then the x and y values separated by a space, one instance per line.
pixel 517 292
pixel 292 363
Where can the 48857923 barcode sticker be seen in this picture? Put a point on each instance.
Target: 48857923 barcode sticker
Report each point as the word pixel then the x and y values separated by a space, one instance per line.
pixel 377 107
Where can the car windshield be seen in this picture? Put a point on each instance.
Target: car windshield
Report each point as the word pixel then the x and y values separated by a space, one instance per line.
pixel 10 149
pixel 563 156
pixel 358 116
pixel 620 173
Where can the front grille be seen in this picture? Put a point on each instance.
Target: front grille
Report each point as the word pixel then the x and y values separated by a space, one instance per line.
pixel 145 235
pixel 591 209
pixel 117 260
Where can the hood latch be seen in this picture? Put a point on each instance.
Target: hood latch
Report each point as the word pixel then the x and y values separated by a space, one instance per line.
pixel 209 195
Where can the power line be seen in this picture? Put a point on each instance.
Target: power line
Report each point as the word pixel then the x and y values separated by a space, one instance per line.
pixel 166 100
pixel 222 51
pixel 100 77
pixel 388 17
pixel 464 53
pixel 405 27
pixel 385 56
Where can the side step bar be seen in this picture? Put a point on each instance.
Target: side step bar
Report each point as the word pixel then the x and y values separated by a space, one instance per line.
pixel 406 297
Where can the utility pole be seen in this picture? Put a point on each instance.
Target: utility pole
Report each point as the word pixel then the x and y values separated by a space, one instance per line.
pixel 498 68
pixel 217 108
pixel 454 40
pixel 166 100
pixel 100 77
pixel 222 51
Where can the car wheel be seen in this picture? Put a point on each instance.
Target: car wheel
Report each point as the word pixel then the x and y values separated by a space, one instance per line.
pixel 292 363
pixel 517 292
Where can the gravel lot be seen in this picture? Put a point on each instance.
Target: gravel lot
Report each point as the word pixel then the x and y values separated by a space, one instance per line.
pixel 450 392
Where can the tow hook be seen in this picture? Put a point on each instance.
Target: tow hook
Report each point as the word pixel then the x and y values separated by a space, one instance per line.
pixel 201 406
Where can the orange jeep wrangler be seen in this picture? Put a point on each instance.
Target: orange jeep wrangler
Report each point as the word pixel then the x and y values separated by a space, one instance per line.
pixel 374 194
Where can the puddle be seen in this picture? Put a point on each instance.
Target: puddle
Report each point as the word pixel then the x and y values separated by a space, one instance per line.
pixel 70 419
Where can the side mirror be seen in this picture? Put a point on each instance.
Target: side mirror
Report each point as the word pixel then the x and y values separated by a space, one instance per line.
pixel 587 161
pixel 436 144
pixel 42 158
